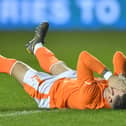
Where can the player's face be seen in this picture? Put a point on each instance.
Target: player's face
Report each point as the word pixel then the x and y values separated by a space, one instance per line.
pixel 113 94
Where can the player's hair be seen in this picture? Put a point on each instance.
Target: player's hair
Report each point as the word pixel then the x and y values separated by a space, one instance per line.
pixel 120 102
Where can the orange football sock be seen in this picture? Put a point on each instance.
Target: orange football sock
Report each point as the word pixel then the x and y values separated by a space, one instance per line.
pixel 119 63
pixel 6 64
pixel 45 58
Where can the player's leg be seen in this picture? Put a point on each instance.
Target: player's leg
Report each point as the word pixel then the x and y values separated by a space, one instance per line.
pixel 119 63
pixel 19 71
pixel 30 79
pixel 13 67
pixel 49 62
pixel 45 57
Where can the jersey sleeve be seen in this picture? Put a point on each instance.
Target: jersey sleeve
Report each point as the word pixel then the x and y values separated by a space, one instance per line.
pixel 87 65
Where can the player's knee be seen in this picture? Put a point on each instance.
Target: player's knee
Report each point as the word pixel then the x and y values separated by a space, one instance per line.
pixel 58 68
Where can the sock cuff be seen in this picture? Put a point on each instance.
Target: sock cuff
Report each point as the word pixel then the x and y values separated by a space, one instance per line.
pixel 37 46
pixel 107 75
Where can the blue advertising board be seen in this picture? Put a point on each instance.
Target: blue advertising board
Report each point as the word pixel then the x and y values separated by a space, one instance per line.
pixel 63 14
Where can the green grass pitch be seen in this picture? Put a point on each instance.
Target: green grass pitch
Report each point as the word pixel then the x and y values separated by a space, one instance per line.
pixel 17 108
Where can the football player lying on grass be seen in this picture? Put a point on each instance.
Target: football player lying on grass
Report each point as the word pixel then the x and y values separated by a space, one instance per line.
pixel 64 87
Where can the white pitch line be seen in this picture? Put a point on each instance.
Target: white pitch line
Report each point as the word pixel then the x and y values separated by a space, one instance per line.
pixel 18 113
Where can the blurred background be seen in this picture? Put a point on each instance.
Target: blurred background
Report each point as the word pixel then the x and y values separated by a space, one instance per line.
pixel 63 14
pixel 98 26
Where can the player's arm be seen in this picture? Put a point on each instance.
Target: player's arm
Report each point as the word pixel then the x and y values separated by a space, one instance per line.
pixel 87 65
